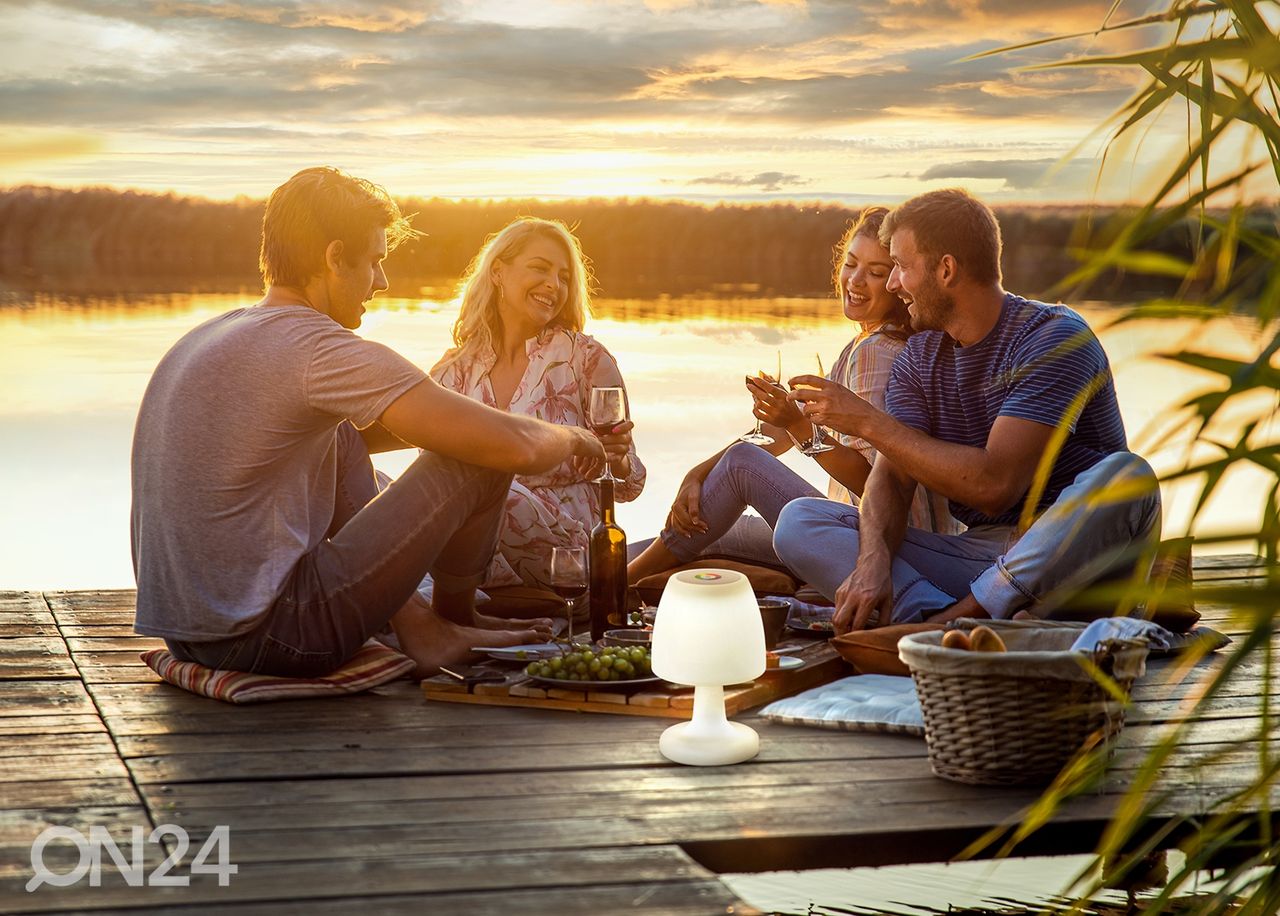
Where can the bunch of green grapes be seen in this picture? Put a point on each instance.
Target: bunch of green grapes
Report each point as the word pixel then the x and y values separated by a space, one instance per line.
pixel 612 663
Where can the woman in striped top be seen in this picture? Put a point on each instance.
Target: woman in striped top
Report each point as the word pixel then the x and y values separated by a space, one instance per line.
pixel 707 517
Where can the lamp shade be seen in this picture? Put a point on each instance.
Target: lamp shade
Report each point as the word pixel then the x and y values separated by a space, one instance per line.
pixel 707 630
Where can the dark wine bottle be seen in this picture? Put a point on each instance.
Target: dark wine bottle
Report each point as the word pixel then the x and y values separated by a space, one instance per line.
pixel 608 569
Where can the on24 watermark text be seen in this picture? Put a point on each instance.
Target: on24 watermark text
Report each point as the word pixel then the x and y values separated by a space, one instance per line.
pixel 213 857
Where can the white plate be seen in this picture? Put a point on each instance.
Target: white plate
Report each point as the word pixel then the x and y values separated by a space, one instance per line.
pixel 786 663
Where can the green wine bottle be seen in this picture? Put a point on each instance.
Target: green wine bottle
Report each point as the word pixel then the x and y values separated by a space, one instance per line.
pixel 608 569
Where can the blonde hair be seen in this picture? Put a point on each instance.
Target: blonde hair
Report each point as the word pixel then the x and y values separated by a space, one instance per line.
pixel 479 325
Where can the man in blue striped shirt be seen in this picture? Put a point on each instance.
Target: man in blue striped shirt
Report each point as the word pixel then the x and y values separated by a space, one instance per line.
pixel 1004 405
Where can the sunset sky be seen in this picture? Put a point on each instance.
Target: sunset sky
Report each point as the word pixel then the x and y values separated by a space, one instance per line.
pixel 702 99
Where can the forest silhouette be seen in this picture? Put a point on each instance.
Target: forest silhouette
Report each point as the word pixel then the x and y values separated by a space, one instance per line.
pixel 100 240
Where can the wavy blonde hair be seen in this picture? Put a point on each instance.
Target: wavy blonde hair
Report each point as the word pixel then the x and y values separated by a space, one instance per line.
pixel 479 324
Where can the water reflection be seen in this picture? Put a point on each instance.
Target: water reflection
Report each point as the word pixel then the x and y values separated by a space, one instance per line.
pixel 74 370
pixel 1008 887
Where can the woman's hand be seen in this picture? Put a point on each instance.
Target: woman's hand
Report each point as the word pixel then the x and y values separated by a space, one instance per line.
pixel 685 518
pixel 772 404
pixel 825 403
pixel 617 448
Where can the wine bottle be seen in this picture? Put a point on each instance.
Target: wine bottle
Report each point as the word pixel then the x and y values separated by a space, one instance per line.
pixel 608 568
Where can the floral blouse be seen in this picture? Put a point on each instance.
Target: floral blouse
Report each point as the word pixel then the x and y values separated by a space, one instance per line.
pixel 557 508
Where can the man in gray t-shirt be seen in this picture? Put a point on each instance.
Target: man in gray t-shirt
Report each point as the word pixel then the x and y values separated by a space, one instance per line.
pixel 258 544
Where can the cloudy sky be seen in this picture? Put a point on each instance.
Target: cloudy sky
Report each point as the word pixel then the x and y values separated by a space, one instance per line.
pixel 706 99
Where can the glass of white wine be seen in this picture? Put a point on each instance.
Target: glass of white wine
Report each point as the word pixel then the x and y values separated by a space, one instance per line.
pixel 817 443
pixel 607 409
pixel 758 436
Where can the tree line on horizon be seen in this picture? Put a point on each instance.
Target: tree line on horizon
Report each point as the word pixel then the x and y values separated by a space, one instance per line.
pixel 102 240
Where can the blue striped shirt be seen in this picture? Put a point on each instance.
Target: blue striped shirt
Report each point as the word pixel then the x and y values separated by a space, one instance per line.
pixel 1040 363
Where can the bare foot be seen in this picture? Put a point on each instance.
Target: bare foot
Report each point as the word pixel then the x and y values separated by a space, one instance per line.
pixel 489 622
pixel 432 641
pixel 653 559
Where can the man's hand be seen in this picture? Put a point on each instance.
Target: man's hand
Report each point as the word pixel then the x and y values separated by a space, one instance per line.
pixel 585 444
pixel 834 406
pixel 685 517
pixel 864 600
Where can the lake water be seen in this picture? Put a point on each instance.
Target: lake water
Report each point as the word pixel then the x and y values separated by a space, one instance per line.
pixel 72 375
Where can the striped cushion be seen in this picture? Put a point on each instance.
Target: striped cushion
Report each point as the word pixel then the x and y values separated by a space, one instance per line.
pixel 373 665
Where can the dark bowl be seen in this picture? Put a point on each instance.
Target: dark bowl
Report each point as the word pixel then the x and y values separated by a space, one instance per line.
pixel 773 614
pixel 627 637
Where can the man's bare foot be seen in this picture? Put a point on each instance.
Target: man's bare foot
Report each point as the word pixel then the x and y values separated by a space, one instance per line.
pixel 432 641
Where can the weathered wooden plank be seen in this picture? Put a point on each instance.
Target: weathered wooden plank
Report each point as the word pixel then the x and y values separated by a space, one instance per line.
pixel 116 628
pixel 269 763
pixel 653 867
pixel 35 657
pixel 67 724
pixel 95 599
pixel 38 669
pixel 328 735
pixel 857 819
pixel 98 742
pixel 125 674
pixel 911 783
pixel 68 793
pixel 114 658
pixel 69 765
pixel 685 898
pixel 44 697
pixel 131 644
pixel 9 630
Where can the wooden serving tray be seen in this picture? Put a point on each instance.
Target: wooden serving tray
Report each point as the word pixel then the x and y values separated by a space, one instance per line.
pixel 821 665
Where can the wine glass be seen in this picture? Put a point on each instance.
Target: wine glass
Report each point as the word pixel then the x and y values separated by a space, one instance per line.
pixel 607 409
pixel 569 579
pixel 817 442
pixel 758 436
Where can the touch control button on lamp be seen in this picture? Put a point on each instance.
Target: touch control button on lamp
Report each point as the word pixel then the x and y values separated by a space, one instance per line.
pixel 707 633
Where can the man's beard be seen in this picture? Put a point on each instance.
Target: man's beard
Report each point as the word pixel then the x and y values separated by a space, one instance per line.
pixel 932 308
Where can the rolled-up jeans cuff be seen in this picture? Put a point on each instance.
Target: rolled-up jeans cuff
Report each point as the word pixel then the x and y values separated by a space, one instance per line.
pixel 999 593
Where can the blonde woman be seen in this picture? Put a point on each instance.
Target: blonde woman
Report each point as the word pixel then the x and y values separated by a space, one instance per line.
pixel 519 347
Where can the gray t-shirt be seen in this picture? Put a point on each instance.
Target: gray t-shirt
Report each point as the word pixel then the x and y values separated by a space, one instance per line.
pixel 235 461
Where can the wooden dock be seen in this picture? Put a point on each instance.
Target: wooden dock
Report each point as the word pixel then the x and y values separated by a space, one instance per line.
pixel 387 802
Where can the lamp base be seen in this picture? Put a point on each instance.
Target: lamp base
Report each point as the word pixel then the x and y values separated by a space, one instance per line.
pixel 695 744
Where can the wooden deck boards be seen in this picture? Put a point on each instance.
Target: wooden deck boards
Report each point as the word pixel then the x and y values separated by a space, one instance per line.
pixel 385 801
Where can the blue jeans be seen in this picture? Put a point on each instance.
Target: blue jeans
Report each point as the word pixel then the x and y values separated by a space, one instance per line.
pixel 744 476
pixel 440 516
pixel 1101 526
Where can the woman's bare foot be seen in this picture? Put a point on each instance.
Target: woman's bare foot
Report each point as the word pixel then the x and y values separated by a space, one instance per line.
pixel 432 641
pixel 653 559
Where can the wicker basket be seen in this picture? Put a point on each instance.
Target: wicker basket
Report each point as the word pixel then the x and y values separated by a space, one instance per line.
pixel 1015 718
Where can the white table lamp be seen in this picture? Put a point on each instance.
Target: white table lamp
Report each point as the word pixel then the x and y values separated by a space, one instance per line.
pixel 708 633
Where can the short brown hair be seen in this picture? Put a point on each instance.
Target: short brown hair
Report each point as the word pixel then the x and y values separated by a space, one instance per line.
pixel 954 222
pixel 318 206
